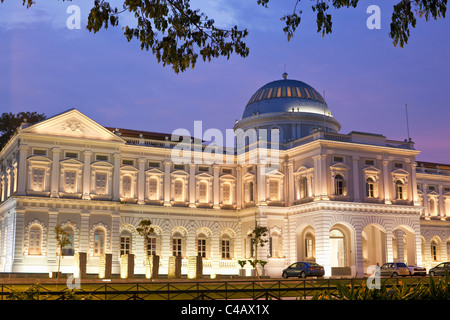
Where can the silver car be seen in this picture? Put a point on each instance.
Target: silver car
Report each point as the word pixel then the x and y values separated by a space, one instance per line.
pixel 394 269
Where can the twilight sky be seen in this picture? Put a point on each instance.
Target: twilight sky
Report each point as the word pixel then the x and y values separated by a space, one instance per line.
pixel 48 68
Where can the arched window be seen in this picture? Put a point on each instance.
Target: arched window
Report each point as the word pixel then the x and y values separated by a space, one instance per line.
pixel 202 245
pixel 35 240
pixel 177 244
pixel 275 245
pixel 126 187
pixel 99 242
pixel 152 245
pixel 68 250
pixel 178 190
pixel 400 191
pixel 339 185
pixel 225 248
pixel 370 188
pixel 435 256
pixel 125 243
pixel 153 188
pixel 309 245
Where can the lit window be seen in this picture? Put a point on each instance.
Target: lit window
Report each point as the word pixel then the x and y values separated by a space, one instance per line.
pixel 35 240
pixel 126 187
pixel 274 245
pixel 68 250
pixel 225 247
pixel 303 187
pixel 203 192
pixel 400 190
pixel 370 188
pixel 178 192
pixel 100 183
pixel 201 246
pixel 339 185
pixel 153 189
pixel 151 246
pixel 226 193
pixel 249 191
pixel 125 243
pixel 99 242
pixel 176 245
pixel 274 191
pixel 38 179
pixel 70 181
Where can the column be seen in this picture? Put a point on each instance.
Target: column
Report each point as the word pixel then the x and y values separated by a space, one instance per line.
pixel 356 195
pixel 389 247
pixel 55 173
pixel 115 241
pixel 386 182
pixel 17 229
pixel 415 198
pixel 116 177
pixel 359 265
pixel 261 184
pixel 87 175
pixel 426 204
pixel 141 181
pixel 290 183
pixel 216 186
pixel 84 233
pixel 192 185
pixel 22 172
pixel 238 187
pixel 323 177
pixel 167 164
pixel 317 172
pixel 322 234
pixel 441 207
pixel 51 241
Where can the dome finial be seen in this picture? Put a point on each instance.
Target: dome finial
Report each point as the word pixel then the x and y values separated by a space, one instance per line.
pixel 285 75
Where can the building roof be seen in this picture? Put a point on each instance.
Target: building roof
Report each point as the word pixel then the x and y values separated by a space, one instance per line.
pixel 286 96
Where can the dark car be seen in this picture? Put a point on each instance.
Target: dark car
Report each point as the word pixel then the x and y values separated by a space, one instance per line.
pixel 440 269
pixel 303 270
pixel 394 269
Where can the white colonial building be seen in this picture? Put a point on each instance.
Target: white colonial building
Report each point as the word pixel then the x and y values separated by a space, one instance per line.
pixel 345 201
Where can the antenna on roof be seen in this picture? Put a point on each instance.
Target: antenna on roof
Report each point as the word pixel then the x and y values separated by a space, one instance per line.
pixel 407 122
pixel 285 74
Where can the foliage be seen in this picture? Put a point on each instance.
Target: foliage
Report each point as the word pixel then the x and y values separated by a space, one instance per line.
pixel 262 263
pixel 437 289
pixel 145 229
pixel 9 123
pixel 32 293
pixel 242 263
pixel 62 239
pixel 177 34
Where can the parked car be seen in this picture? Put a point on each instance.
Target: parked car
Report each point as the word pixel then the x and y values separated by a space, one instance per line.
pixel 394 269
pixel 417 271
pixel 440 269
pixel 303 269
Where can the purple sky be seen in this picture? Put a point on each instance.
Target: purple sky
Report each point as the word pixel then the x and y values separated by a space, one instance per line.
pixel 46 67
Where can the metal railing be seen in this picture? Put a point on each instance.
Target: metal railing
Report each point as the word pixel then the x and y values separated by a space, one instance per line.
pixel 194 290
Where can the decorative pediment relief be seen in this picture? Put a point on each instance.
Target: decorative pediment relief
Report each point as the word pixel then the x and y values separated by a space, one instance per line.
pixel 73 124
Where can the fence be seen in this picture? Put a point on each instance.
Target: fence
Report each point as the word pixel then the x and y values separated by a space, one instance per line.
pixel 193 290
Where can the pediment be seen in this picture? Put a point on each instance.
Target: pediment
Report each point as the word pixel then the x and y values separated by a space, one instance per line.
pixel 371 169
pixel 204 175
pixel 275 173
pixel 71 161
pixel 154 171
pixel 72 124
pixel 340 166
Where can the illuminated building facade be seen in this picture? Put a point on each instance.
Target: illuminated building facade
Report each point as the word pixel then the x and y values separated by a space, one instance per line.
pixel 345 201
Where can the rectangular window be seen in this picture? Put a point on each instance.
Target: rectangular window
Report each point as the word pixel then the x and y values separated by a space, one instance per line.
pixel 128 162
pixel 178 166
pixel 125 245
pixel 274 192
pixel 151 246
pixel 225 248
pixel 100 183
pixel 70 181
pixel 153 164
pixel 101 157
pixel 226 194
pixel 398 165
pixel 201 247
pixel 38 175
pixel 227 171
pixel 203 169
pixel 72 155
pixel 338 159
pixel 39 152
pixel 369 162
pixel 176 247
